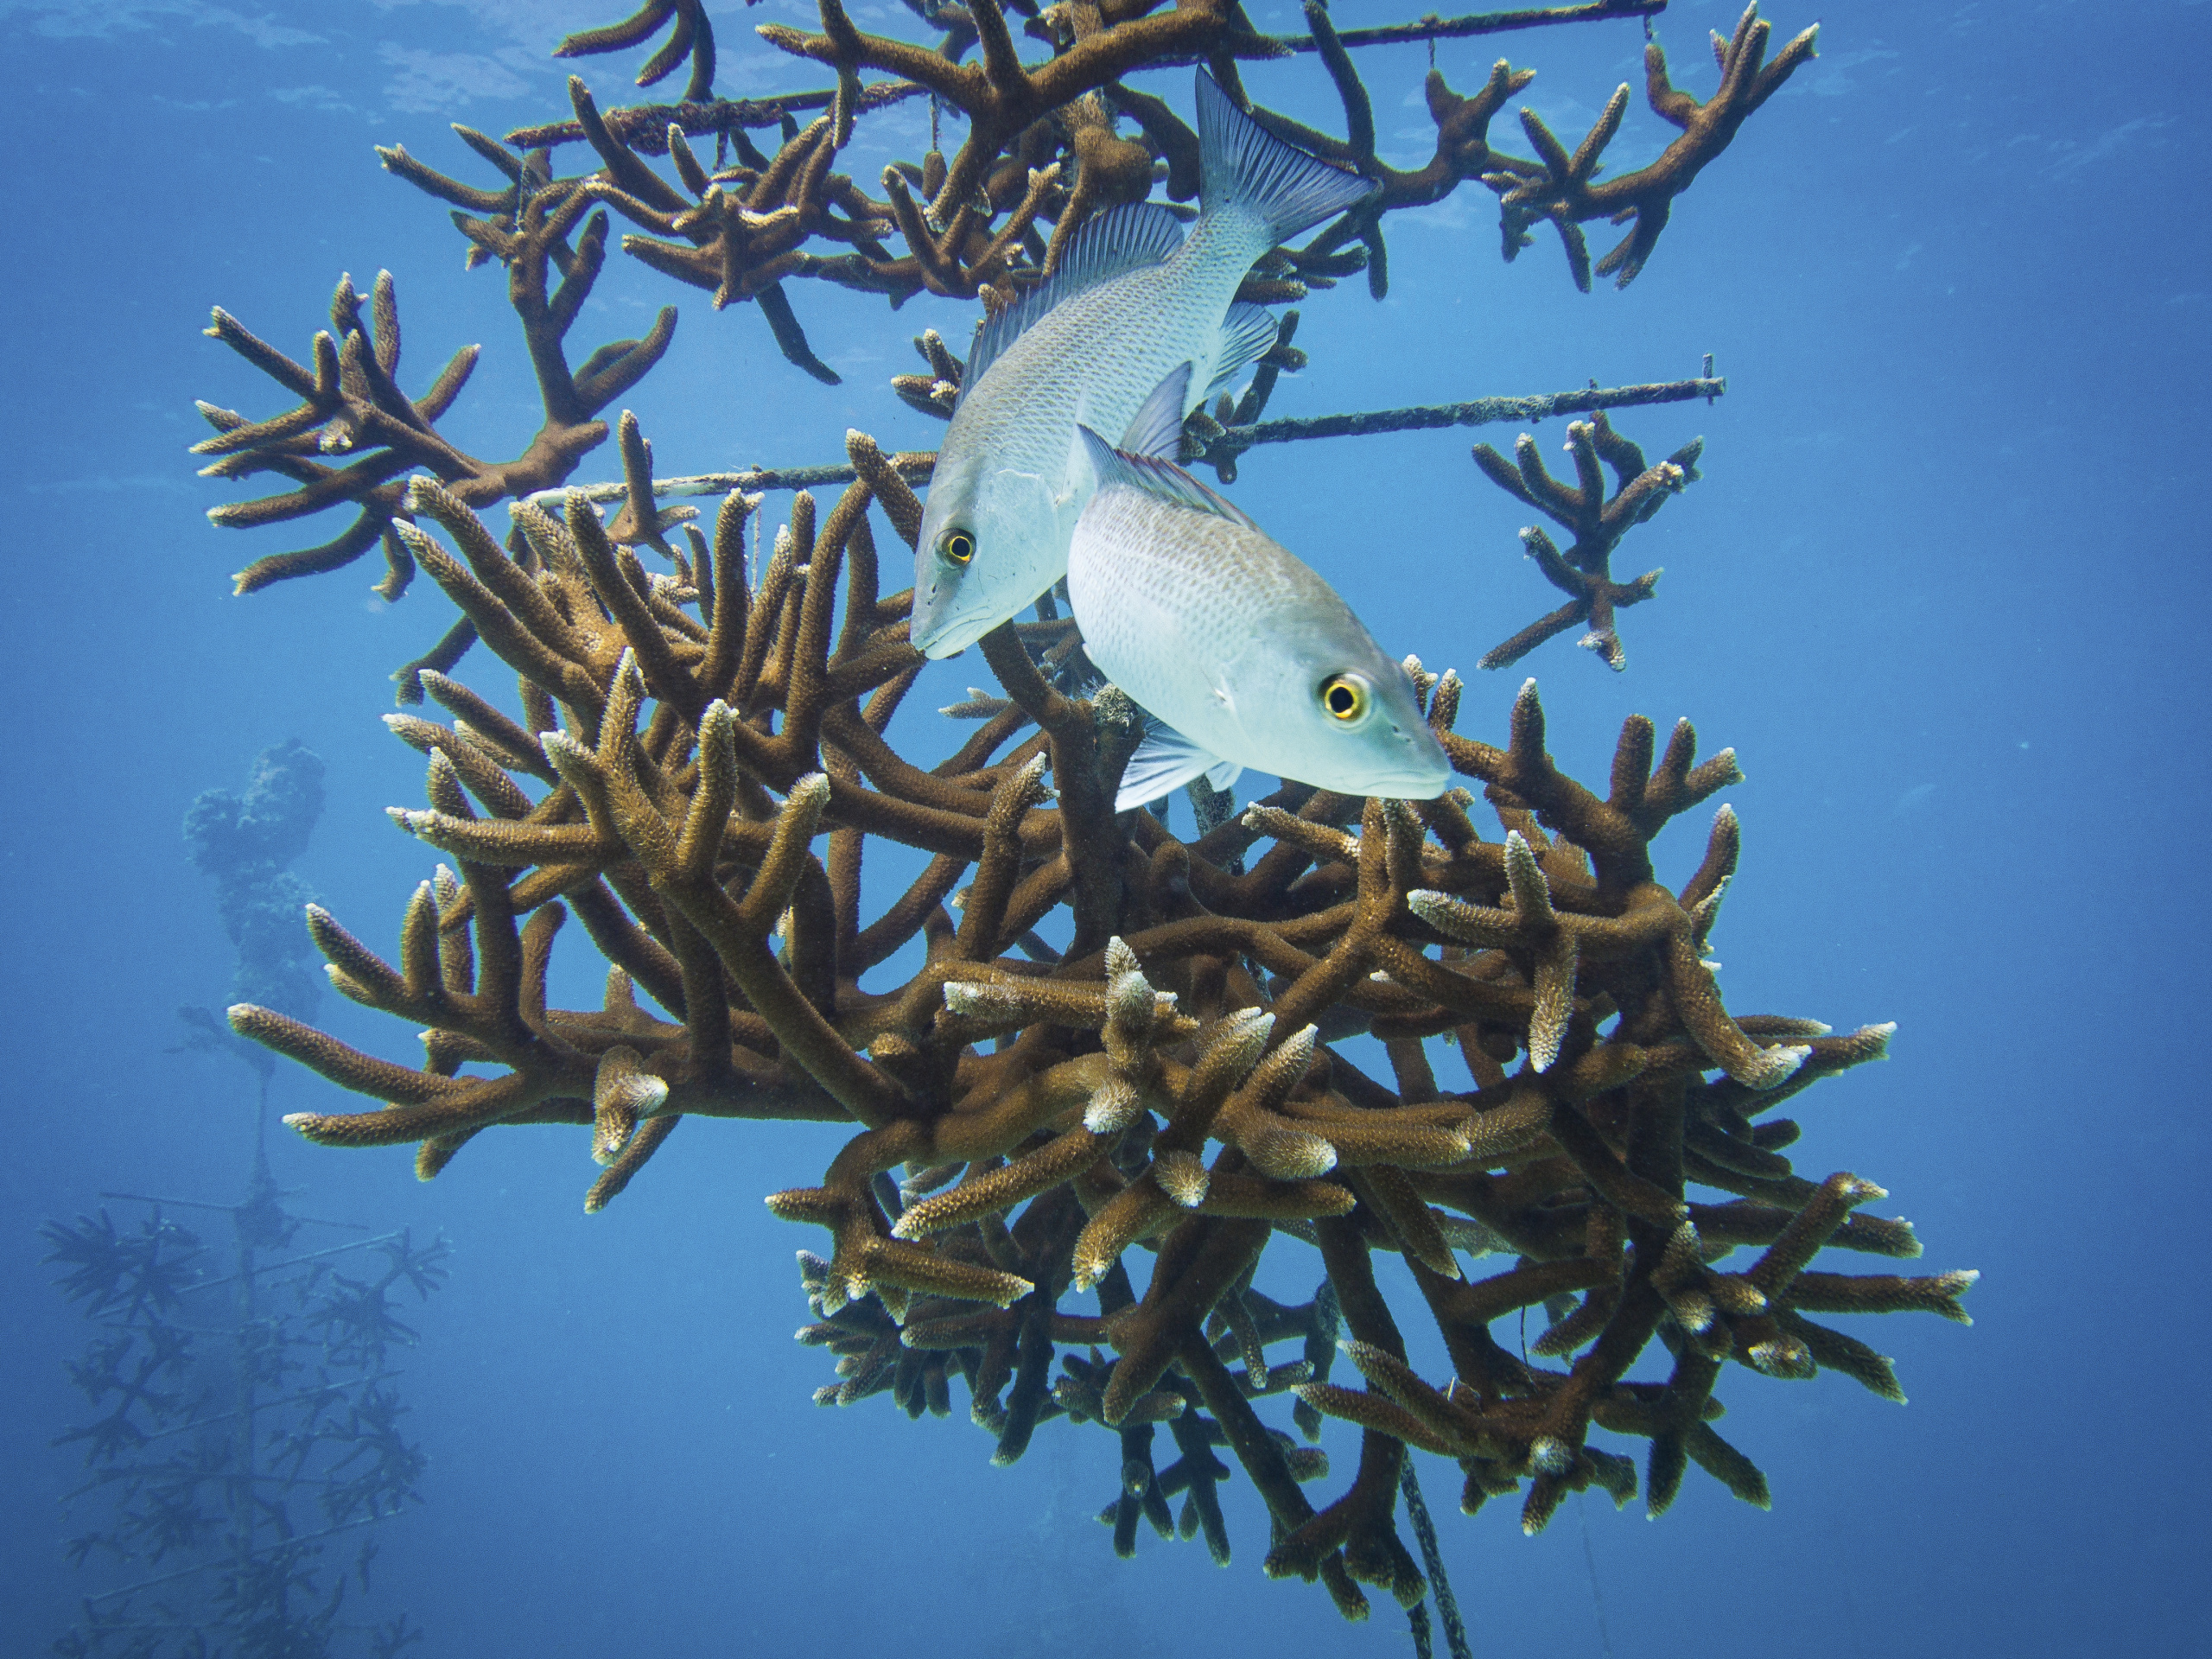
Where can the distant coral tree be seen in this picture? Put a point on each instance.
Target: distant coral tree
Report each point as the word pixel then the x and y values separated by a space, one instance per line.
pixel 245 1421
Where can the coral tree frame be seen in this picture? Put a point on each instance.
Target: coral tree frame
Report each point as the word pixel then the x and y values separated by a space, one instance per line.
pixel 699 766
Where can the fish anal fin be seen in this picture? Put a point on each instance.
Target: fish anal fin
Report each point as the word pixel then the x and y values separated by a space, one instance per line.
pixel 1247 334
pixel 1156 430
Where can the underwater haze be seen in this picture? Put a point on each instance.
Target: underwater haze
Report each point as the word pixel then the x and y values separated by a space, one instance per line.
pixel 1958 276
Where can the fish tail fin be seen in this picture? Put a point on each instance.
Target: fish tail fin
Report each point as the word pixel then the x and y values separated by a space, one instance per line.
pixel 1244 168
pixel 1164 762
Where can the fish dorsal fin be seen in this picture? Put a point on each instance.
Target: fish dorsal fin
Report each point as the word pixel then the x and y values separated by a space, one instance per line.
pixel 1161 480
pixel 1164 762
pixel 1243 167
pixel 1156 431
pixel 1104 245
pixel 1247 333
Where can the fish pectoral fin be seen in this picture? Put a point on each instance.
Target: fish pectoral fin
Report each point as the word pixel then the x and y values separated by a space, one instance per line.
pixel 1164 762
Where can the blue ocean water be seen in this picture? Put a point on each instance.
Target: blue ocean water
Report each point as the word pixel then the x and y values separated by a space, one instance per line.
pixel 1933 589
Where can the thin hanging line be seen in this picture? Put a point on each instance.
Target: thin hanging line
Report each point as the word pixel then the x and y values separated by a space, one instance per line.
pixel 1590 1559
pixel 1417 1623
pixel 1439 1586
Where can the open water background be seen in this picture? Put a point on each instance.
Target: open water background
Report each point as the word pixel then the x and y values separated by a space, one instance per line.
pixel 1941 588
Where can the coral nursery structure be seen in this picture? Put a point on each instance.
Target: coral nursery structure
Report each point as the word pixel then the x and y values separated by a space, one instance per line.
pixel 247 1418
pixel 247 1424
pixel 1093 1071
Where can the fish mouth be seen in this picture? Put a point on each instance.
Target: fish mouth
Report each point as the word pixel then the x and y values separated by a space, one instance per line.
pixel 948 636
pixel 1427 789
pixel 1404 786
pixel 1419 778
pixel 1394 784
pixel 1429 784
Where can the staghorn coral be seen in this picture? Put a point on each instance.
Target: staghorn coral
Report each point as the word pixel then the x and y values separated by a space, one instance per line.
pixel 691 35
pixel 1044 148
pixel 247 1429
pixel 1566 189
pixel 350 399
pixel 1094 1072
pixel 1598 522
pixel 698 772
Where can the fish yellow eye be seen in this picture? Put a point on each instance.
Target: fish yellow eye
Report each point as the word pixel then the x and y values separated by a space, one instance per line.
pixel 958 546
pixel 1344 696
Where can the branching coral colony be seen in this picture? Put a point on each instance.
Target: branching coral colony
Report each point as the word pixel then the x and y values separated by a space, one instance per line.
pixel 700 765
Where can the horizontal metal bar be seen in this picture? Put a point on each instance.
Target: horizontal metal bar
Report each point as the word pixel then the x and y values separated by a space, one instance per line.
pixel 722 114
pixel 230 1561
pixel 1482 412
pixel 339 1389
pixel 232 1209
pixel 917 466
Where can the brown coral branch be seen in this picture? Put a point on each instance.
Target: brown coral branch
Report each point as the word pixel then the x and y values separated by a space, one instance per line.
pixel 1104 1043
pixel 351 401
pixel 1088 1124
pixel 1598 522
pixel 1566 191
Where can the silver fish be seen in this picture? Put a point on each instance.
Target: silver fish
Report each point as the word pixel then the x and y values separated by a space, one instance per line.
pixel 1217 629
pixel 1132 297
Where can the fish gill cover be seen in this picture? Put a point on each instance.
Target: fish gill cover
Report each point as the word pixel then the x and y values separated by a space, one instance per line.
pixel 696 765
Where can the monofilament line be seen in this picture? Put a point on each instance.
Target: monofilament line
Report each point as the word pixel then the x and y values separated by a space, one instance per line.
pixel 1590 1560
pixel 1439 1586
